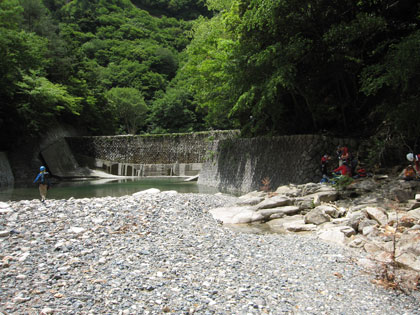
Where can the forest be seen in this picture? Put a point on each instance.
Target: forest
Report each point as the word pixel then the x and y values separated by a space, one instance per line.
pixel 267 68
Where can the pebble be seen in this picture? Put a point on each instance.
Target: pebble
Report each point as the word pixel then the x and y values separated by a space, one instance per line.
pixel 156 253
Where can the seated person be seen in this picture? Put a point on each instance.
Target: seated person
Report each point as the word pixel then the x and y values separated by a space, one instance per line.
pixel 409 173
pixel 414 158
pixel 343 170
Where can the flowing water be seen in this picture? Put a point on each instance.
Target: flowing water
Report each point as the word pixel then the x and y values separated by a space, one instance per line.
pixel 104 188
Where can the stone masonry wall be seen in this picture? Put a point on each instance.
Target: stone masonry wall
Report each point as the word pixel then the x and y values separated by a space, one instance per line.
pixel 153 149
pixel 240 165
pixel 152 155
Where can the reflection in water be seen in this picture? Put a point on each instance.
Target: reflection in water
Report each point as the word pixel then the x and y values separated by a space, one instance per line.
pixel 104 188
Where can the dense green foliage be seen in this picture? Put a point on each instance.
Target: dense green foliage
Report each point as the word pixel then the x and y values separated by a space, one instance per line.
pixel 62 60
pixel 267 67
pixel 281 67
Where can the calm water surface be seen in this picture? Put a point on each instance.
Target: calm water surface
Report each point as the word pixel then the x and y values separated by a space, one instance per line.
pixel 104 188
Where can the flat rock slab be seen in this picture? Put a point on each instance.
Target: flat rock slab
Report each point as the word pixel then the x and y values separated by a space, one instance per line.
pixel 273 202
pixel 281 211
pixel 323 196
pixel 333 235
pixel 236 215
pixel 251 201
pixel 299 226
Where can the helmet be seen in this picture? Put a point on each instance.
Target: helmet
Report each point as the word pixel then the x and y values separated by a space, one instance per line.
pixel 42 168
pixel 410 157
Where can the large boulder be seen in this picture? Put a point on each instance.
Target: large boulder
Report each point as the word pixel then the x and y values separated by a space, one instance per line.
pixel 355 218
pixel 316 216
pixel 365 223
pixel 287 190
pixel 409 242
pixel 363 185
pixel 414 214
pixel 401 195
pixel 378 214
pixel 409 260
pixel 332 211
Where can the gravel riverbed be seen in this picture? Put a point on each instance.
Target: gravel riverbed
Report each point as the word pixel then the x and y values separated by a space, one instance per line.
pixel 164 253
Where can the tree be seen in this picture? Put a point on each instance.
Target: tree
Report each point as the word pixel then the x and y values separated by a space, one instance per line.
pixel 129 106
pixel 174 111
pixel 42 101
pixel 208 73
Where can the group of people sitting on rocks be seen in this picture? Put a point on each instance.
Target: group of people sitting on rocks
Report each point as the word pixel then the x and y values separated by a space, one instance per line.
pixel 348 165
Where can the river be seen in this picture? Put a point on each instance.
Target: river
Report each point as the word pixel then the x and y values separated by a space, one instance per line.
pixel 103 188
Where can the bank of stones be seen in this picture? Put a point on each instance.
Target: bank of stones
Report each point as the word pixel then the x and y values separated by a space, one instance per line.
pixel 163 252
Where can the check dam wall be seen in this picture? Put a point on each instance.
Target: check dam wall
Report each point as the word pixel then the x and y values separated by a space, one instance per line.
pixel 151 155
pixel 220 158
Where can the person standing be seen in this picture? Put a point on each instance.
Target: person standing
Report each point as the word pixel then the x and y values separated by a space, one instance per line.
pixel 342 155
pixel 44 182
pixel 324 165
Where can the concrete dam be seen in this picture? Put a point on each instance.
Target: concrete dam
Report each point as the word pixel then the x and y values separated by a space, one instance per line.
pixel 220 158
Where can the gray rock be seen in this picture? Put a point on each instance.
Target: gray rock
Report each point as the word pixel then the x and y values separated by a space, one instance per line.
pixel 378 214
pixel 399 194
pixel 329 210
pixel 278 223
pixel 364 185
pixel 414 214
pixel 288 190
pixel 273 202
pixel 280 211
pixel 4 233
pixel 299 226
pixel 347 231
pixel 252 201
pixel 333 235
pixel 409 260
pixel 323 196
pixel 409 243
pixel 357 242
pixel 236 215
pixel 355 218
pixel 367 230
pixel 4 205
pixel 317 217
pixel 413 204
pixel 364 223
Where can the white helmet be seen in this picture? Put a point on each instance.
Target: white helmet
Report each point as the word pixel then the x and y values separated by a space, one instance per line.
pixel 410 157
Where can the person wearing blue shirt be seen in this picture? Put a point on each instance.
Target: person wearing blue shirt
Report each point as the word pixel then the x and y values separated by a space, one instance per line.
pixel 44 183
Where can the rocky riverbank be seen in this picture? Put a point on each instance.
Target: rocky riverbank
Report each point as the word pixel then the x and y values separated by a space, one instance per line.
pixel 163 252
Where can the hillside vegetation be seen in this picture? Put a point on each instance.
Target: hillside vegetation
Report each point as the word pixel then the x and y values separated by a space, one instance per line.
pixel 266 67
